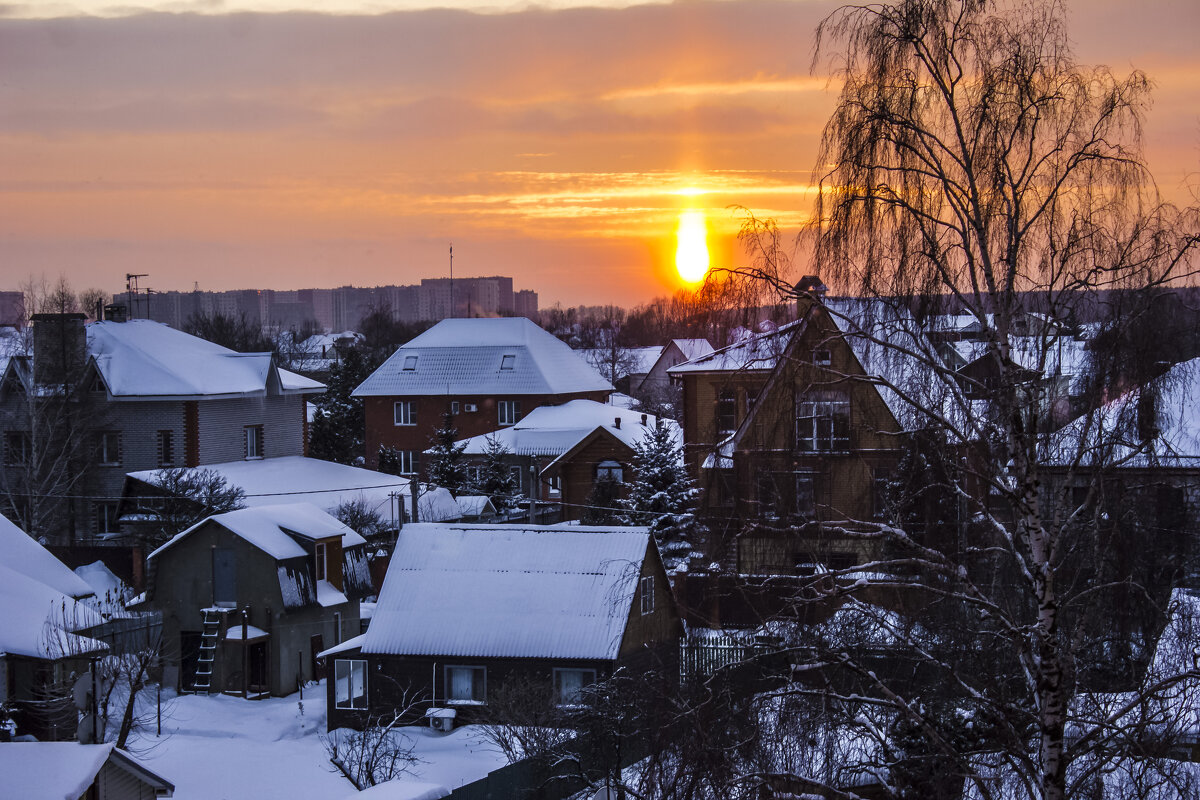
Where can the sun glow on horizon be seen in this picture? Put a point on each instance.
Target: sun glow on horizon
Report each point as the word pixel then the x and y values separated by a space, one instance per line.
pixel 691 250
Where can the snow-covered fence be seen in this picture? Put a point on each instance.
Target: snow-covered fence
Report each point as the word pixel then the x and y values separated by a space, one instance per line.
pixel 703 655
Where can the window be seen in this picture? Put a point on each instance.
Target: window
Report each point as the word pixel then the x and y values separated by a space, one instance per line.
pixel 554 483
pixel 610 470
pixel 517 475
pixel 822 358
pixel 454 408
pixel 646 592
pixel 726 413
pixel 166 448
pixel 880 479
pixel 405 412
pixel 106 518
pixel 406 461
pixel 508 362
pixel 319 567
pixel 337 627
pixel 466 685
pixel 108 447
pixel 510 411
pixel 767 494
pixel 569 685
pixel 410 363
pixel 16 447
pixel 351 679
pixel 823 421
pixel 806 494
pixel 97 384
pixel 254 441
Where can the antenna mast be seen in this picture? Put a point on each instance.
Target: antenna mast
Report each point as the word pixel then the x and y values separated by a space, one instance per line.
pixel 452 281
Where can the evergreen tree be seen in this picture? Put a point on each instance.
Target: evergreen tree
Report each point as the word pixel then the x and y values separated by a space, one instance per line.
pixel 446 467
pixel 339 424
pixel 662 495
pixel 496 479
pixel 603 504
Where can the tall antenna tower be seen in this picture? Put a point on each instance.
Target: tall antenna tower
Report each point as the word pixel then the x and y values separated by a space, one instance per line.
pixel 451 280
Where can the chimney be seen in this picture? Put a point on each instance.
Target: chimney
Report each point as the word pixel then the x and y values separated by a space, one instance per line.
pixel 809 288
pixel 59 348
pixel 617 423
pixel 643 419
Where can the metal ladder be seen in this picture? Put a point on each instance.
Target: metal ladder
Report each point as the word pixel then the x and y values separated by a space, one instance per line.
pixel 202 683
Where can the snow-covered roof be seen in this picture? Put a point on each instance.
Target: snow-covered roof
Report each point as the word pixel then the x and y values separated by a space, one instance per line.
pixel 325 484
pixel 631 360
pixel 275 528
pixel 755 353
pixel 507 591
pixel 40 621
pixel 693 348
pixel 141 358
pixel 64 770
pixel 19 552
pixel 504 356
pixel 553 430
pixel 1110 436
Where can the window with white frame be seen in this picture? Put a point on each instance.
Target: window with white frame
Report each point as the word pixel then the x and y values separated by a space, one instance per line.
pixel 646 592
pixel 350 678
pixel 165 444
pixel 410 363
pixel 554 484
pixel 508 362
pixel 319 566
pixel 466 685
pixel 108 448
pixel 510 411
pixel 569 685
pixel 404 412
pixel 407 461
pixel 455 407
pixel 823 421
pixel 254 441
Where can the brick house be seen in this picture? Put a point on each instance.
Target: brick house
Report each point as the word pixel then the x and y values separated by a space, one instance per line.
pixel 489 373
pixel 466 610
pixel 155 397
pixel 556 452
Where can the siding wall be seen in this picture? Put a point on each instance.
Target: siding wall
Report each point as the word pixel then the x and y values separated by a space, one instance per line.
pixel 222 423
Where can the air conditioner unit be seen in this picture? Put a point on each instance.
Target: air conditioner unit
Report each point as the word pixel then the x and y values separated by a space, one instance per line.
pixel 441 719
pixel 470 407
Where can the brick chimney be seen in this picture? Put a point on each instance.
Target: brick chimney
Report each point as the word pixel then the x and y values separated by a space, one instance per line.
pixel 59 347
pixel 810 288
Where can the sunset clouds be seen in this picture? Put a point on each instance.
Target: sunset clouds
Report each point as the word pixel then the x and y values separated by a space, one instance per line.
pixel 295 149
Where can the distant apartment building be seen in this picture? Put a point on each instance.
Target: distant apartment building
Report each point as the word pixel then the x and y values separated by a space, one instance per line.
pixel 333 310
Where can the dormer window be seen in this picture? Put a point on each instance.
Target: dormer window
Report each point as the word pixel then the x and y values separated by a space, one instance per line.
pixel 508 362
pixel 822 358
pixel 410 363
pixel 319 565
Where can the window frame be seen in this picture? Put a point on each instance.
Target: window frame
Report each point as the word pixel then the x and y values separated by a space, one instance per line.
pixel 254 439
pixel 320 562
pixel 108 448
pixel 646 595
pixel 823 422
pixel 725 413
pixel 353 701
pixel 410 364
pixel 574 702
pixel 165 447
pixel 508 412
pixel 508 362
pixel 17 456
pixel 105 518
pixel 611 469
pixel 408 458
pixel 404 413
pixel 478 684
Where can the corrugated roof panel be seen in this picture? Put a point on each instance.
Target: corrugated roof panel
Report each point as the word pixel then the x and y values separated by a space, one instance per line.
pixel 507 592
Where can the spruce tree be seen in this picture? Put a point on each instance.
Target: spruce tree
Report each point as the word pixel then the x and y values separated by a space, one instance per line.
pixel 446 467
pixel 662 495
pixel 339 424
pixel 496 478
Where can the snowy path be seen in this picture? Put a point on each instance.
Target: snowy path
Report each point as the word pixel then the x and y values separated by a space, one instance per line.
pixel 226 748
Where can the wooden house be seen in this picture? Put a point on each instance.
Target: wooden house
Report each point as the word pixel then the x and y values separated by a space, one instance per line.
pixel 70 771
pixel 250 597
pixel 466 610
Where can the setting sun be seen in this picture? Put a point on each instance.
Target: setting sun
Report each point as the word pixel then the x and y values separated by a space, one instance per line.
pixel 691 252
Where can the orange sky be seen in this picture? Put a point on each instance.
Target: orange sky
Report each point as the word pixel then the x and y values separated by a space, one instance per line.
pixel 298 149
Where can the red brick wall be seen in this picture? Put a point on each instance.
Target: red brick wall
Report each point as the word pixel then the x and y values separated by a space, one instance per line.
pixel 382 430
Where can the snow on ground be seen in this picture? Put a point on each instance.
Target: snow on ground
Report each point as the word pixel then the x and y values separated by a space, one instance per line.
pixel 227 748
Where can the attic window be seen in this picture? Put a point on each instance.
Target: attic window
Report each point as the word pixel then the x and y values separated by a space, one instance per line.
pixel 320 559
pixel 822 358
pixel 410 363
pixel 508 361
